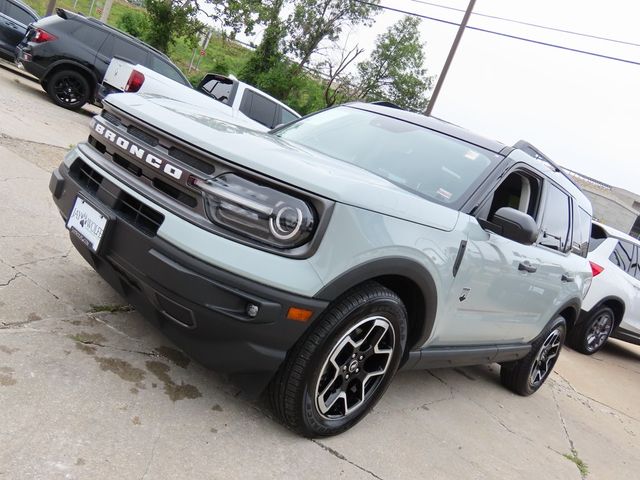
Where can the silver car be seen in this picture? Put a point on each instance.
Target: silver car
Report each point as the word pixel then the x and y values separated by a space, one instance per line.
pixel 319 258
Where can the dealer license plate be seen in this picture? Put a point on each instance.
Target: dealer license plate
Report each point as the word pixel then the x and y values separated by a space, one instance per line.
pixel 87 223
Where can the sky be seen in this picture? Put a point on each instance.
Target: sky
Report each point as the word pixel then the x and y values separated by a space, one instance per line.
pixel 581 111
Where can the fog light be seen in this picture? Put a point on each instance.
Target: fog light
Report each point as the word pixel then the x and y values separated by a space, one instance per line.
pixel 252 310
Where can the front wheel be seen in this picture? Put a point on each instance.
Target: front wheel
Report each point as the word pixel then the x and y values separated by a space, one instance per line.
pixel 526 376
pixel 341 368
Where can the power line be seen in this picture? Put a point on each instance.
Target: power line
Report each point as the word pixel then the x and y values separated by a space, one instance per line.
pixel 528 24
pixel 506 35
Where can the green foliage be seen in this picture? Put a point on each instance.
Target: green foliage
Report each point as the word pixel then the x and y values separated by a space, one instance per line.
pixel 169 19
pixel 395 71
pixel 134 23
pixel 313 21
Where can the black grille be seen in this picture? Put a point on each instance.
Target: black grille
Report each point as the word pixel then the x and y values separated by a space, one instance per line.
pixel 142 135
pixel 138 214
pixel 110 117
pixel 184 157
pixel 93 141
pixel 86 176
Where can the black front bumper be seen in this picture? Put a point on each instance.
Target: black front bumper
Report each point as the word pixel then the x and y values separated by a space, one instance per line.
pixel 203 309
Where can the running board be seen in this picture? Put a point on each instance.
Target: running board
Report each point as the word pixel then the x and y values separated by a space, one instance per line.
pixel 445 357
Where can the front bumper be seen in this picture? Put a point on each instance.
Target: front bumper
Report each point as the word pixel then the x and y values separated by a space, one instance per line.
pixel 203 309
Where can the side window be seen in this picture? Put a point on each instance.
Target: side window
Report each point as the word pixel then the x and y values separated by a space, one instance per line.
pixel 3 6
pixel 622 255
pixel 90 36
pixel 259 108
pixel 519 190
pixel 581 231
pixel 18 14
pixel 287 116
pixel 554 231
pixel 164 68
pixel 636 270
pixel 118 47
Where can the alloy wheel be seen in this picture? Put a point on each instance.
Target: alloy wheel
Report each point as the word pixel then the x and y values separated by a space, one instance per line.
pixel 355 367
pixel 546 357
pixel 599 331
pixel 69 90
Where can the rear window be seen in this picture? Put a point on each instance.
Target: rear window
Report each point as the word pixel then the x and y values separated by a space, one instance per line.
pixel 259 108
pixel 219 88
pixel 165 68
pixel 118 47
pixel 425 162
pixel 598 235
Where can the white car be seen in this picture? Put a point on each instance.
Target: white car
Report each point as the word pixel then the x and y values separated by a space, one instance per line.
pixel 217 96
pixel 612 306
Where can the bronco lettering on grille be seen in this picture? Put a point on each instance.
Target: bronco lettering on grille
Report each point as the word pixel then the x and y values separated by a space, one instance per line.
pixel 137 151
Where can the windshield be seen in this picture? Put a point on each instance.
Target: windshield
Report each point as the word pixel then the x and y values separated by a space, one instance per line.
pixel 425 162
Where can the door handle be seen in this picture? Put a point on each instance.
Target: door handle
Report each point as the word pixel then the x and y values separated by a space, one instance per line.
pixel 566 277
pixel 527 267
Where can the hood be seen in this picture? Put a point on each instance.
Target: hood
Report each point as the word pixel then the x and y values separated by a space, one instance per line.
pixel 284 161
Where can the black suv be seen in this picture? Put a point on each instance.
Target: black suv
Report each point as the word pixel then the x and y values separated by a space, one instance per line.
pixel 15 17
pixel 70 53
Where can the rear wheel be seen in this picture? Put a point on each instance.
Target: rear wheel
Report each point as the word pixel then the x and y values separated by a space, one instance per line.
pixel 337 373
pixel 527 375
pixel 591 336
pixel 68 89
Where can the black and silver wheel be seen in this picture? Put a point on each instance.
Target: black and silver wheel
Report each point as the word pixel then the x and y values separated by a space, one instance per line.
pixel 341 368
pixel 591 336
pixel 68 89
pixel 527 375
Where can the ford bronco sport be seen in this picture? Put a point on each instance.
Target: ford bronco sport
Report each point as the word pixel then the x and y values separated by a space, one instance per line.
pixel 316 260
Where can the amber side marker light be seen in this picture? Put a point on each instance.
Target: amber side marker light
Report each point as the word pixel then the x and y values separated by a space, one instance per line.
pixel 299 314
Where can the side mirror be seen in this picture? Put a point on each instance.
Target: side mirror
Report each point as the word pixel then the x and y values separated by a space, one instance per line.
pixel 514 225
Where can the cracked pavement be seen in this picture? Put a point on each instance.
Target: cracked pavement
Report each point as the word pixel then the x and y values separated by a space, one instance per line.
pixel 97 393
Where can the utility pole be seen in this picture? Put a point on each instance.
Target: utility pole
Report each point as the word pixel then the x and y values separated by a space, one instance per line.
pixel 106 10
pixel 452 52
pixel 50 6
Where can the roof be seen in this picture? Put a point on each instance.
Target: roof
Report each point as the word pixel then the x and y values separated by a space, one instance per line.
pixel 435 124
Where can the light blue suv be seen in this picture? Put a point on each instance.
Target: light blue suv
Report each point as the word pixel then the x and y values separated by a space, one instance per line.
pixel 321 257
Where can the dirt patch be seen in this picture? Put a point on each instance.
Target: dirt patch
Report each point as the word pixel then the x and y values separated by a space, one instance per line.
pixel 136 421
pixel 89 338
pixel 175 356
pixel 8 350
pixel 47 157
pixel 33 317
pixel 80 462
pixel 216 408
pixel 6 378
pixel 121 368
pixel 174 391
pixel 88 349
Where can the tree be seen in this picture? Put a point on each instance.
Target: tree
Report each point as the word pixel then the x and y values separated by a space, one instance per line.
pixel 338 83
pixel 169 19
pixel 395 70
pixel 313 21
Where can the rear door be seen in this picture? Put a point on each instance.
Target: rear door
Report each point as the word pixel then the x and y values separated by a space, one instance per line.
pixel 14 21
pixel 625 256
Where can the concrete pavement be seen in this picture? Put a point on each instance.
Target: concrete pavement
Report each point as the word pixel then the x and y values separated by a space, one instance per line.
pixel 89 390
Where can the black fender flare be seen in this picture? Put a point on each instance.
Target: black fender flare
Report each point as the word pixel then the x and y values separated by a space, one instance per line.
pixel 574 304
pixel 72 65
pixel 396 266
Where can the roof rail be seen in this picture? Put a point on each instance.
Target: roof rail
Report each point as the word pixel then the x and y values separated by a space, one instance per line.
pixel 534 152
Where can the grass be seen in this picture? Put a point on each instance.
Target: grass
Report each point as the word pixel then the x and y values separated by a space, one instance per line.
pixel 110 308
pixel 573 457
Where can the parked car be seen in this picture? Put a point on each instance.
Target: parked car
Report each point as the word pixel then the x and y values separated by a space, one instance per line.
pixel 15 17
pixel 225 97
pixel 69 53
pixel 317 259
pixel 612 306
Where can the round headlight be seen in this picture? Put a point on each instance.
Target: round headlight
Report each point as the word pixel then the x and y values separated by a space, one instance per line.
pixel 286 221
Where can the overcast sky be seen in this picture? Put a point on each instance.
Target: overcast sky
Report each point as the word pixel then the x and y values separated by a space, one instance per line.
pixel 582 111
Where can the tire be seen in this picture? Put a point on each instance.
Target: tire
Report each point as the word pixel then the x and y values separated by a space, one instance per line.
pixel 325 385
pixel 593 333
pixel 526 376
pixel 68 89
